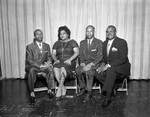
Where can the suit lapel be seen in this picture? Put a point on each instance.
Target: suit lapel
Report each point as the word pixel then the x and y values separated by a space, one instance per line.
pixel 43 48
pixel 86 45
pixel 105 49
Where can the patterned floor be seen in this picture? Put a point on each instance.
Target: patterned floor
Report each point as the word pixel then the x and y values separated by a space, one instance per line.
pixel 14 102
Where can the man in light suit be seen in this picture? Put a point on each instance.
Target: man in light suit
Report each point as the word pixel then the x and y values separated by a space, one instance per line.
pixel 38 60
pixel 90 56
pixel 115 62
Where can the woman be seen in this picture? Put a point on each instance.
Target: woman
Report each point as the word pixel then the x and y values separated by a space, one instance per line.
pixel 65 52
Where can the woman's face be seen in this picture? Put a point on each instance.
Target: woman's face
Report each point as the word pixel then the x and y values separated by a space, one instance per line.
pixel 63 35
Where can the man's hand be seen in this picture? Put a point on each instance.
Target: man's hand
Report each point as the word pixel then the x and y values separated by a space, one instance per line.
pixel 57 61
pixel 102 68
pixel 82 64
pixel 46 65
pixel 88 67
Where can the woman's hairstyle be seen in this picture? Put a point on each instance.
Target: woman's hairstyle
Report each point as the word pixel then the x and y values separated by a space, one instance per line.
pixel 66 29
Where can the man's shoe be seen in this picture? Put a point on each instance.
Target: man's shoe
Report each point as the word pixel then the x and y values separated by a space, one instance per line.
pixel 51 95
pixel 106 102
pixel 81 92
pixel 87 98
pixel 32 99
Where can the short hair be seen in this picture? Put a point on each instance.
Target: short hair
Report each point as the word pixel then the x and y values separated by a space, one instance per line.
pixel 91 27
pixel 112 26
pixel 66 29
pixel 36 31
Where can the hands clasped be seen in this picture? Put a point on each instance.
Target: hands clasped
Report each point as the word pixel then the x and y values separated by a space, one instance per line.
pixel 102 68
pixel 46 65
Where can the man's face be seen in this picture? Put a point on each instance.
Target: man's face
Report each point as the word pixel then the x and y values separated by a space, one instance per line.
pixel 89 32
pixel 39 36
pixel 110 33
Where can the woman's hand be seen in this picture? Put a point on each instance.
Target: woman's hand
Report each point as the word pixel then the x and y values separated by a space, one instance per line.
pixel 57 61
pixel 87 67
pixel 68 62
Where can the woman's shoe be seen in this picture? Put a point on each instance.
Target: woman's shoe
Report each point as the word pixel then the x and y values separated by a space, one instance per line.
pixel 63 91
pixel 58 93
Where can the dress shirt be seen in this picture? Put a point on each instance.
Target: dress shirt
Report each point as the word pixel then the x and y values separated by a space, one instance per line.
pixel 109 45
pixel 89 41
pixel 39 45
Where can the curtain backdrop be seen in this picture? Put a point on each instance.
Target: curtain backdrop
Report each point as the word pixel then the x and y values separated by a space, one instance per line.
pixel 19 18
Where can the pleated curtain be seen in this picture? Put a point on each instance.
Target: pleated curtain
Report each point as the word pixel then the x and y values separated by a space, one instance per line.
pixel 19 19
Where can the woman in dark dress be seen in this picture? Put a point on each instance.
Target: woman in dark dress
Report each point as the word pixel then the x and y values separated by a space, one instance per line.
pixel 65 52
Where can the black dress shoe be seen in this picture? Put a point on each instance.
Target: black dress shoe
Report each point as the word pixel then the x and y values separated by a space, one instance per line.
pixel 106 102
pixel 51 95
pixel 32 99
pixel 87 98
pixel 81 92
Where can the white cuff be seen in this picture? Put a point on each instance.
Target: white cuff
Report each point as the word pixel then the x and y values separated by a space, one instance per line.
pixel 108 65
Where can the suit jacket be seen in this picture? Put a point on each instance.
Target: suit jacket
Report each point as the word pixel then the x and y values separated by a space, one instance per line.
pixel 92 54
pixel 118 55
pixel 34 57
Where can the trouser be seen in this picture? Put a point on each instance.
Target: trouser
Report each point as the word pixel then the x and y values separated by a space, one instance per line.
pixel 108 78
pixel 47 73
pixel 82 76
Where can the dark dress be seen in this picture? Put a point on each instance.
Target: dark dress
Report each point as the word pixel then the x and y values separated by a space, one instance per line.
pixel 64 50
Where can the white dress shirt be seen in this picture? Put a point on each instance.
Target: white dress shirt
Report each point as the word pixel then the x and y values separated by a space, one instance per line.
pixel 108 49
pixel 109 45
pixel 89 41
pixel 40 45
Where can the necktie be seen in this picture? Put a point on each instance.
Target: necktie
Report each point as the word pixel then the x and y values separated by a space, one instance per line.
pixel 40 46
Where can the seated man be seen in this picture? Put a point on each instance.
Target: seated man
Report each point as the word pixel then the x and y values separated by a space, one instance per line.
pixel 115 62
pixel 90 53
pixel 38 60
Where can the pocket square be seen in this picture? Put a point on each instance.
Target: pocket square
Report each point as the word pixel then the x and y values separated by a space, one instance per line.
pixel 114 49
pixel 93 50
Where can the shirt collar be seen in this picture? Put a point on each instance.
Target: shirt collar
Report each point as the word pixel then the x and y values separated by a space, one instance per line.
pixel 38 42
pixel 110 41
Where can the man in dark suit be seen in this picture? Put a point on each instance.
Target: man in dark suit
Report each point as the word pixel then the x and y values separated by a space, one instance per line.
pixel 90 57
pixel 38 60
pixel 115 62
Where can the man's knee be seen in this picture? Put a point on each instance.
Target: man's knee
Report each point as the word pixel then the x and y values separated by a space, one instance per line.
pixel 110 70
pixel 32 70
pixel 100 76
pixel 79 70
pixel 90 73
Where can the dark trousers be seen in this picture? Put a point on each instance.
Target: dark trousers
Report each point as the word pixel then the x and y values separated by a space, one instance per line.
pixel 108 79
pixel 47 74
pixel 82 76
